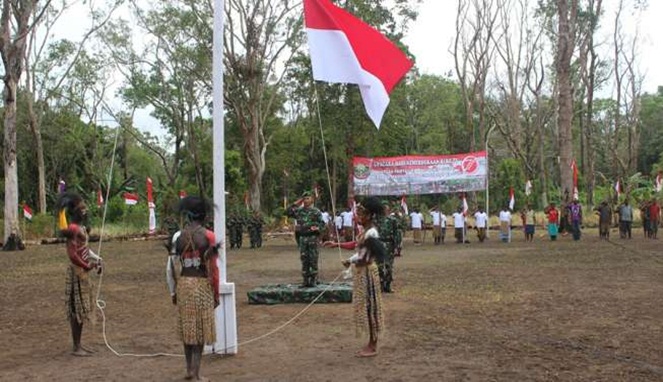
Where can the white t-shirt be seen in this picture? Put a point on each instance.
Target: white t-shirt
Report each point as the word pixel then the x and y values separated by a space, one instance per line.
pixel 436 217
pixel 348 218
pixel 481 219
pixel 416 218
pixel 443 220
pixel 325 217
pixel 505 216
pixel 338 221
pixel 459 220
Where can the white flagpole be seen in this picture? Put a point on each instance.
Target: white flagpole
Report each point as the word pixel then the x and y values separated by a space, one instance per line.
pixel 226 324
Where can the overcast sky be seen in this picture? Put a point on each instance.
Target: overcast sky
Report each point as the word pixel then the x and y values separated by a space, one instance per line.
pixel 432 33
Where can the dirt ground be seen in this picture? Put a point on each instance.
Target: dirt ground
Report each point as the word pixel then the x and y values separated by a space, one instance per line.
pixel 562 311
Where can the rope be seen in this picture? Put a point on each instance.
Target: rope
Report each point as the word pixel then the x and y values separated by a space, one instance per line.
pixel 324 153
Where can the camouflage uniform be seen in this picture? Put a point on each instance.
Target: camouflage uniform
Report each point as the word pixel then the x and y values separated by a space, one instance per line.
pixel 235 226
pixel 254 226
pixel 390 237
pixel 308 217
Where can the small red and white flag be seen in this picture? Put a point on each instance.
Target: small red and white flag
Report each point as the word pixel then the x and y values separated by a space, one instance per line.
pixel 512 199
pixel 618 188
pixel 182 194
pixel 466 208
pixel 658 186
pixel 130 199
pixel 344 49
pixel 574 167
pixel 528 188
pixel 404 205
pixel 27 212
pixel 100 198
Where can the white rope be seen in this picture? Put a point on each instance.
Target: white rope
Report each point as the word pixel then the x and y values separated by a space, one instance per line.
pixel 101 304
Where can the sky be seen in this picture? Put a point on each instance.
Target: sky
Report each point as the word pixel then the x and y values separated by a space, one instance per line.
pixel 431 35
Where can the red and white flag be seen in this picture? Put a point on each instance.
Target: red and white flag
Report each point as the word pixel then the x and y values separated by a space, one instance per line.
pixel 130 199
pixel 574 167
pixel 27 212
pixel 618 188
pixel 344 49
pixel 182 194
pixel 404 205
pixel 528 188
pixel 152 218
pixel 658 186
pixel 100 198
pixel 466 208
pixel 512 199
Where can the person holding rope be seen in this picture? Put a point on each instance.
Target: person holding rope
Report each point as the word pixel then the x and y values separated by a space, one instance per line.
pixel 197 288
pixel 366 293
pixel 78 291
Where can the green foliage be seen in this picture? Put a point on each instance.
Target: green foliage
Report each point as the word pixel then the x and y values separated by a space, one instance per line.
pixel 41 225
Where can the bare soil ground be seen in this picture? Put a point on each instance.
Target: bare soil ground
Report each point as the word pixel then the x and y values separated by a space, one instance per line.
pixel 542 311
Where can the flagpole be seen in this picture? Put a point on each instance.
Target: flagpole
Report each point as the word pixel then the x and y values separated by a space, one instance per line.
pixel 226 325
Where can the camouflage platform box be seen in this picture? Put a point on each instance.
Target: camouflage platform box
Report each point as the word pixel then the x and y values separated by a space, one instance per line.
pixel 295 293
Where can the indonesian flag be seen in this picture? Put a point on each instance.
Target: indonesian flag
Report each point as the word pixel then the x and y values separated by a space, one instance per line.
pixel 27 212
pixel 618 188
pixel 465 206
pixel 130 199
pixel 404 205
pixel 528 188
pixel 100 198
pixel 574 167
pixel 182 194
pixel 152 219
pixel 658 186
pixel 344 49
pixel 512 199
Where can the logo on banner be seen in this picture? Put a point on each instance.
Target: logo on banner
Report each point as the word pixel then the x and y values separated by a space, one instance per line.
pixel 470 164
pixel 362 171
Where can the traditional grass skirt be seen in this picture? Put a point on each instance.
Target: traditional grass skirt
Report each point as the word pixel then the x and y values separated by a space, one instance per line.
pixel 78 294
pixel 195 305
pixel 367 300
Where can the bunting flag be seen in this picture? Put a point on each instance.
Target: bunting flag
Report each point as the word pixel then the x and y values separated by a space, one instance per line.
pixel 574 167
pixel 100 198
pixel 130 199
pixel 528 188
pixel 344 49
pixel 404 205
pixel 182 194
pixel 512 199
pixel 618 188
pixel 152 219
pixel 658 186
pixel 27 212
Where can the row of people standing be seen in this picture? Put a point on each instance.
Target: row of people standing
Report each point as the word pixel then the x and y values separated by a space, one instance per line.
pixel 439 225
pixel 254 225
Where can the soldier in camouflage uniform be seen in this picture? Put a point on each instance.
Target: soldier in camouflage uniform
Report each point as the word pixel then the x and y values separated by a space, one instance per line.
pixel 235 226
pixel 310 226
pixel 254 227
pixel 388 229
pixel 401 221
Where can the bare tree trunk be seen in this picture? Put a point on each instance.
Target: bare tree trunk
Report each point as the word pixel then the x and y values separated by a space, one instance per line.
pixel 565 45
pixel 9 156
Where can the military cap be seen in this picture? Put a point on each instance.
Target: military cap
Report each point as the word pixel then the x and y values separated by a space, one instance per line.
pixel 306 194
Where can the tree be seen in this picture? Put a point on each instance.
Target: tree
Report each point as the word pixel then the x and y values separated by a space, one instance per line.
pixel 567 14
pixel 17 20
